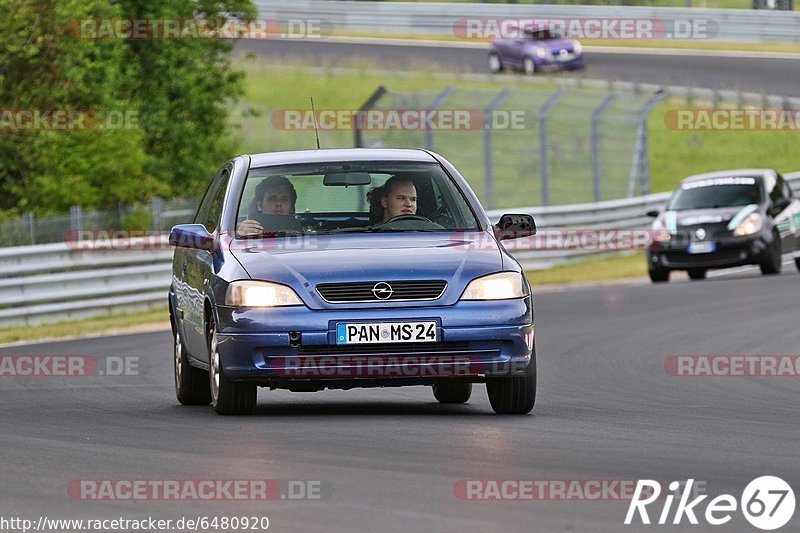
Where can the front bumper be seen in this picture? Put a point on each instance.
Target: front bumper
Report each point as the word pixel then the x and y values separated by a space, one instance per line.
pixel 291 346
pixel 553 63
pixel 729 252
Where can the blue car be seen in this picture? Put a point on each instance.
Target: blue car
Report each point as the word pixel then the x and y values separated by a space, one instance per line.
pixel 348 268
pixel 538 49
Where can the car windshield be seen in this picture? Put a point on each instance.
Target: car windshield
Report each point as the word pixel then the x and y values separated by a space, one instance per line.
pixel 357 197
pixel 542 34
pixel 718 192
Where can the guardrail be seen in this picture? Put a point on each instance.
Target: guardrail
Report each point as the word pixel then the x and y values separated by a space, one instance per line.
pixel 68 281
pixel 427 18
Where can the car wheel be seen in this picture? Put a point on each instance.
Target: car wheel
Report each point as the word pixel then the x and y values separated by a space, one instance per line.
pixel 697 273
pixel 528 66
pixel 514 395
pixel 495 64
pixel 452 392
pixel 228 397
pixel 774 261
pixel 191 384
pixel 797 262
pixel 658 275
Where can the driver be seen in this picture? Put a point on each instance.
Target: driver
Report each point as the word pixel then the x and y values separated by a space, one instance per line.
pixel 398 196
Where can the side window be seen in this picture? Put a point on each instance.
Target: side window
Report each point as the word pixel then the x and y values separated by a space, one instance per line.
pixel 787 189
pixel 211 220
pixel 208 196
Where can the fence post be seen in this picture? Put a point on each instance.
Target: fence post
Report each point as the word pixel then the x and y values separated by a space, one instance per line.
pixel 440 99
pixel 545 164
pixel 156 207
pixel 596 166
pixel 29 222
pixel 488 192
pixel 75 223
pixel 366 106
pixel 640 167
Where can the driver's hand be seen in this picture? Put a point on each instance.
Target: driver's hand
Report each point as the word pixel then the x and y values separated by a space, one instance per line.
pixel 249 227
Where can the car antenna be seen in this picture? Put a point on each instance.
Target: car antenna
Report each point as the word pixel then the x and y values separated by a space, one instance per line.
pixel 314 116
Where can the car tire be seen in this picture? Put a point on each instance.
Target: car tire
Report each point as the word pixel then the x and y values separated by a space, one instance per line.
pixel 697 273
pixel 228 397
pixel 191 384
pixel 797 262
pixel 495 64
pixel 773 263
pixel 529 66
pixel 658 275
pixel 452 392
pixel 514 395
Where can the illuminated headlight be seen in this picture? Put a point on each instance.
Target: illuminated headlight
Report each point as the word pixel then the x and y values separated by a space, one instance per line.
pixel 499 286
pixel 260 294
pixel 660 233
pixel 543 52
pixel 577 48
pixel 748 226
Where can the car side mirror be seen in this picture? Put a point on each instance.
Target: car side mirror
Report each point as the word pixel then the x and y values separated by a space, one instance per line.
pixel 513 226
pixel 653 213
pixel 194 236
pixel 779 205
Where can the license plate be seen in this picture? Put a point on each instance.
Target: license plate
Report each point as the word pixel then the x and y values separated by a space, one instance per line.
pixel 386 332
pixel 701 248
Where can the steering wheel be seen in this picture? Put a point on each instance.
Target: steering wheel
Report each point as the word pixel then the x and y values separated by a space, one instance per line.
pixel 398 218
pixel 412 222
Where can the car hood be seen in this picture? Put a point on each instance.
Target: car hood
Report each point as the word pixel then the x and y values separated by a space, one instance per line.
pixel 304 262
pixel 718 219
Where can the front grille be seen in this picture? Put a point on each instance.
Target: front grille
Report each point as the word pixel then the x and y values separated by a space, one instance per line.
pixel 721 256
pixel 363 291
pixel 382 349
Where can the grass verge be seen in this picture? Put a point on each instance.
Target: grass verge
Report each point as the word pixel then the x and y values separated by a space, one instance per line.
pixel 593 270
pixel 91 326
pixel 674 154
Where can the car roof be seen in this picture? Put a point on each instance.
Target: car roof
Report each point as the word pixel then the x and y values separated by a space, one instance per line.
pixel 740 172
pixel 333 155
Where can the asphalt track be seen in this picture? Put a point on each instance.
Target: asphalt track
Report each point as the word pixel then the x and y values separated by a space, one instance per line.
pixel 388 458
pixel 757 74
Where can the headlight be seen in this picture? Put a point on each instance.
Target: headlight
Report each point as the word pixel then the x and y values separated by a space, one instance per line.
pixel 748 226
pixel 260 294
pixel 543 52
pixel 660 233
pixel 500 286
pixel 577 48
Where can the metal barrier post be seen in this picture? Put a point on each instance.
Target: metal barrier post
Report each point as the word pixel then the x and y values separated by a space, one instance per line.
pixel 640 167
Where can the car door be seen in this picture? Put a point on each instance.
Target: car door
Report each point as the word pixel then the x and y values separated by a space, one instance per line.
pixel 793 214
pixel 198 267
pixel 783 216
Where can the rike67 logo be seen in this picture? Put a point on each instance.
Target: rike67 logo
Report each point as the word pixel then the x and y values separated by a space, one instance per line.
pixel 767 503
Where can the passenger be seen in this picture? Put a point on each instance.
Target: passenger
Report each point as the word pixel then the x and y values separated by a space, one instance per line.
pixel 275 195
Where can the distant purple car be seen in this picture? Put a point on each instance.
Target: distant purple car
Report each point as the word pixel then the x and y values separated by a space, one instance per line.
pixel 539 48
